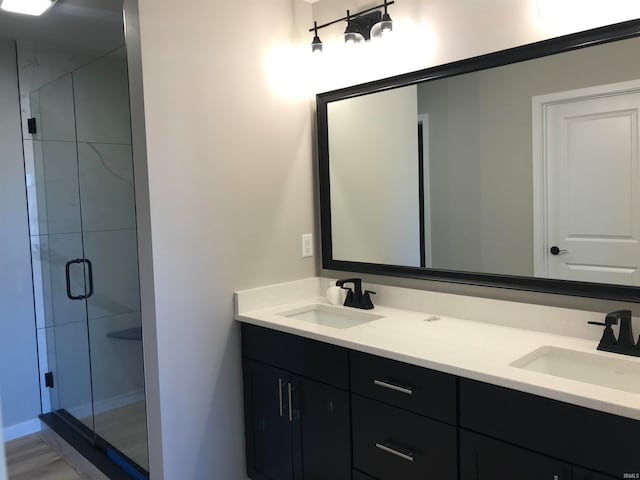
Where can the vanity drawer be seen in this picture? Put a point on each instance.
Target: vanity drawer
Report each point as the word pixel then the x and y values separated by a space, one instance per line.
pixel 308 358
pixel 391 444
pixel 581 436
pixel 413 388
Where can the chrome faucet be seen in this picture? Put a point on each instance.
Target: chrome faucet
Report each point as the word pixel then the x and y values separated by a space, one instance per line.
pixel 356 298
pixel 625 343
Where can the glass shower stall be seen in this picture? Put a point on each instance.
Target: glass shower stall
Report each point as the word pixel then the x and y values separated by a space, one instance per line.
pixel 85 263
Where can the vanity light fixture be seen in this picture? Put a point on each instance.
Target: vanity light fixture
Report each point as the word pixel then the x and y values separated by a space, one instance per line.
pixel 361 26
pixel 27 7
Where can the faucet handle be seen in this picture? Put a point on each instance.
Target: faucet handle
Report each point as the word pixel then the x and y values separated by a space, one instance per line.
pixel 348 301
pixel 608 337
pixel 606 323
pixel 366 303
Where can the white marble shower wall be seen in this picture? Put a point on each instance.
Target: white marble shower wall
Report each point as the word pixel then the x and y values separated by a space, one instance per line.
pixel 81 204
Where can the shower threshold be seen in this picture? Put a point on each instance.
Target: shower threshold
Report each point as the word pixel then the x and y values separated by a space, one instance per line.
pixel 109 460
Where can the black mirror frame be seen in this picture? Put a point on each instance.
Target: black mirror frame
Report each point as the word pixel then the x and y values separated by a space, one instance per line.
pixel 597 36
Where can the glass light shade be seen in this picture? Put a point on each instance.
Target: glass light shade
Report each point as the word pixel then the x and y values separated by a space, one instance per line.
pixel 316 45
pixel 27 7
pixel 353 37
pixel 386 25
pixel 383 27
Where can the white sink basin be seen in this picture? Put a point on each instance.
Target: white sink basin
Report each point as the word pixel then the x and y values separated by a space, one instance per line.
pixel 619 373
pixel 330 316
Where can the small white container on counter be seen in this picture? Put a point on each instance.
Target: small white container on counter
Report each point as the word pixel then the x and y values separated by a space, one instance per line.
pixel 335 294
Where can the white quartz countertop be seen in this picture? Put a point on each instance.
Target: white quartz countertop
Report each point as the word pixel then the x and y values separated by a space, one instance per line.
pixel 471 349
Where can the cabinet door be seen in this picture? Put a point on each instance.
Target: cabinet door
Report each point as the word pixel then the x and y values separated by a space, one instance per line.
pixel 267 426
pixel 581 474
pixel 325 430
pixel 482 458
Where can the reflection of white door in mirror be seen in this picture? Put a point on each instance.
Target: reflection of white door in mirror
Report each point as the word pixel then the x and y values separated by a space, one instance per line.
pixel 586 184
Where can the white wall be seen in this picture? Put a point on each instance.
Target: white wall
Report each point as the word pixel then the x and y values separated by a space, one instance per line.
pixel 373 172
pixel 231 191
pixel 18 354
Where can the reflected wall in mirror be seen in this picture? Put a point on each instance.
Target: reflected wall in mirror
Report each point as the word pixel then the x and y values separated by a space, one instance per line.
pixel 522 163
pixel 374 166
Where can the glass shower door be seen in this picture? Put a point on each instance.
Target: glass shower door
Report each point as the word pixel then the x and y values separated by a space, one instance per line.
pixel 86 255
pixel 57 246
pixel 105 161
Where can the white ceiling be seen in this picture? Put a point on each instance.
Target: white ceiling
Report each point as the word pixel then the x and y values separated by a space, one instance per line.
pixel 90 24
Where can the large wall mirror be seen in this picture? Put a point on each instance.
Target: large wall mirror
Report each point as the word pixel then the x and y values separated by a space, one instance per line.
pixel 517 169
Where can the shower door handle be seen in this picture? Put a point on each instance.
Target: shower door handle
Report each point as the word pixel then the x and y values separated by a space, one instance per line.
pixel 67 271
pixel 90 278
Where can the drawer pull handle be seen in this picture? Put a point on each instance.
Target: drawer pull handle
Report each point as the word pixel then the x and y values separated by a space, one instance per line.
pixel 290 407
pixel 391 386
pixel 280 394
pixel 393 451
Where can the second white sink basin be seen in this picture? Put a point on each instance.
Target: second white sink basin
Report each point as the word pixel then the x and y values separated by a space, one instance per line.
pixel 330 316
pixel 618 373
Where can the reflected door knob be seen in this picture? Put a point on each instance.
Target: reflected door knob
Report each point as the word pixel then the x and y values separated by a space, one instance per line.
pixel 556 251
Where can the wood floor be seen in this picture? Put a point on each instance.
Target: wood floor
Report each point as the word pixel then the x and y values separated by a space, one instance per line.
pixel 31 458
pixel 126 429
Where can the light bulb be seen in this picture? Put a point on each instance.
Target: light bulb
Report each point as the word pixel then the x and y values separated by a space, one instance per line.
pixel 27 7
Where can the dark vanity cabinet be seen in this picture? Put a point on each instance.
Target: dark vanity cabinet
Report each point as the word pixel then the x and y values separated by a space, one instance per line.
pixel 403 420
pixel 297 413
pixel 482 458
pixel 267 416
pixel 581 437
pixel 315 411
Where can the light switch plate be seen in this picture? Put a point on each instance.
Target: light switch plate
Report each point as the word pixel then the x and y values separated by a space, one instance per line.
pixel 307 245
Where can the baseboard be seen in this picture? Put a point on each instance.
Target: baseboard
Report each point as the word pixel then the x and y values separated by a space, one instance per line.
pixel 11 432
